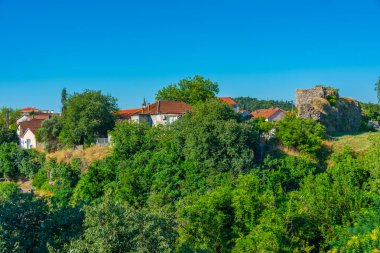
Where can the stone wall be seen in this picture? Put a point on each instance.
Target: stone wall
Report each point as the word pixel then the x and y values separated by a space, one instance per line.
pixel 324 105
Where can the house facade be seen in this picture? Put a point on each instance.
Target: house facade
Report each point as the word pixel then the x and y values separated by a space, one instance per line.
pixel 159 113
pixel 271 114
pixel 26 131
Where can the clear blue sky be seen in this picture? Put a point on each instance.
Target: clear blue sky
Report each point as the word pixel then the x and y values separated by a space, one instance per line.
pixel 130 49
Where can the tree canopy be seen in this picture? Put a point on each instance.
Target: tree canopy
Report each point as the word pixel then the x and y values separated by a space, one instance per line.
pixel 251 104
pixel 11 114
pixel 189 90
pixel 87 116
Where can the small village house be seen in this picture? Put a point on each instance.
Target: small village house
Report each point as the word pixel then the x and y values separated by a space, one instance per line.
pixel 27 131
pixel 28 124
pixel 271 114
pixel 159 113
pixel 231 102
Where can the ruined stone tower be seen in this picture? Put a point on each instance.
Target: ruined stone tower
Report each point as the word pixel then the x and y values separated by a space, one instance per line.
pixel 324 105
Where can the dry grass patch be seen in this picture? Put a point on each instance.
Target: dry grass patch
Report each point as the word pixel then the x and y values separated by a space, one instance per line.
pixel 87 156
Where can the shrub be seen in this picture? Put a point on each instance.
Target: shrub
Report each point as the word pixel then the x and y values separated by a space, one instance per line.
pixel 305 135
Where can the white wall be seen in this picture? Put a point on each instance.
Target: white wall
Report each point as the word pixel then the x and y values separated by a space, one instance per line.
pixel 277 116
pixel 28 135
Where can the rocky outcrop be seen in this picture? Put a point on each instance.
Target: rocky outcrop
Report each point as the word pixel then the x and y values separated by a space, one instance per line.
pixel 324 105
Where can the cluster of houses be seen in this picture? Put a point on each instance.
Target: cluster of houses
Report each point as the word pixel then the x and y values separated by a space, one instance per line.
pixel 158 113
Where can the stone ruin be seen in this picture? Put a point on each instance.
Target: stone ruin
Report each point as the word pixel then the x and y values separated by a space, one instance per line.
pixel 324 105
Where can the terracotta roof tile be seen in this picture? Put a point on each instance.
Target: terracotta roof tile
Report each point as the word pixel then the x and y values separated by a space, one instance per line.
pixel 266 113
pixel 166 107
pixel 33 125
pixel 127 113
pixel 228 100
pixel 29 109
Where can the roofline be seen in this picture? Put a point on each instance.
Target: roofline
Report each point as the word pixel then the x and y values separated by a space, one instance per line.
pixel 22 136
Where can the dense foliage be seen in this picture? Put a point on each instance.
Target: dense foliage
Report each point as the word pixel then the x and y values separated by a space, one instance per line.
pixel 370 111
pixel 7 135
pixel 87 116
pixel 49 133
pixel 189 90
pixel 16 162
pixel 304 135
pixel 251 104
pixel 9 115
pixel 202 184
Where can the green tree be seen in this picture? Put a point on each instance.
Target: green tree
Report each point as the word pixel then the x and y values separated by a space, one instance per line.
pixel 63 99
pixel 21 219
pixel 7 135
pixel 207 222
pixel 15 162
pixel 212 136
pixel 189 90
pixel 11 115
pixel 95 181
pixel 111 227
pixel 377 88
pixel 88 115
pixel 305 135
pixel 49 133
pixel 130 138
pixel 363 236
pixel 251 104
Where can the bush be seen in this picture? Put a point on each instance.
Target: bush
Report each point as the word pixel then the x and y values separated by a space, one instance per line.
pixel 305 135
pixel 7 135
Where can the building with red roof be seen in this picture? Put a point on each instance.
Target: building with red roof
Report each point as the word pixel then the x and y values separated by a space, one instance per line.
pixel 127 113
pixel 231 102
pixel 160 113
pixel 27 131
pixel 270 114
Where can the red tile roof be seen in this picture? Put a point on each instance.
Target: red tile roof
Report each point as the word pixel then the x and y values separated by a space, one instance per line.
pixel 29 109
pixel 266 113
pixel 166 107
pixel 33 125
pixel 228 100
pixel 127 113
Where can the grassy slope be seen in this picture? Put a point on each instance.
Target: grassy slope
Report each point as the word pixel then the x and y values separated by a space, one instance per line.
pixel 358 142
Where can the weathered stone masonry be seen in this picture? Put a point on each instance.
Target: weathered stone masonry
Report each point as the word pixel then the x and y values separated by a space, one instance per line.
pixel 324 105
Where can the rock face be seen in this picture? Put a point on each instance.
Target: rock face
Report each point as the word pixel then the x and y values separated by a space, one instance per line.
pixel 324 105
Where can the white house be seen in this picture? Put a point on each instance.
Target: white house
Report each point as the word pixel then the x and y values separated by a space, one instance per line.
pixel 160 113
pixel 26 131
pixel 40 115
pixel 271 114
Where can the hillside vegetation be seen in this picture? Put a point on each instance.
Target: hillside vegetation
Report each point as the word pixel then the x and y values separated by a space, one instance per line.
pixel 199 185
pixel 209 182
pixel 357 142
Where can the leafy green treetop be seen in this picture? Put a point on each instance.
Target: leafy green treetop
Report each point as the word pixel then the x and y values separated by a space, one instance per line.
pixel 9 115
pixel 88 115
pixel 189 90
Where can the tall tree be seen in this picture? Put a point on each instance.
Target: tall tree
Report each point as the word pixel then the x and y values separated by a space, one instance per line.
pixel 8 117
pixel 88 115
pixel 7 135
pixel 377 88
pixel 63 98
pixel 189 90
pixel 49 133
